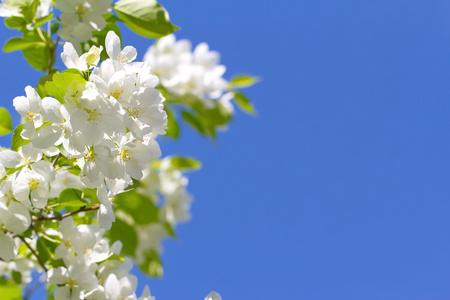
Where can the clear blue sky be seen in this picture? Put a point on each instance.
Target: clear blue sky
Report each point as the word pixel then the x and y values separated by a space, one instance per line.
pixel 340 188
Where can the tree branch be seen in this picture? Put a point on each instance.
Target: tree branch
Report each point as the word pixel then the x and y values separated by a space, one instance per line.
pixel 34 253
pixel 84 208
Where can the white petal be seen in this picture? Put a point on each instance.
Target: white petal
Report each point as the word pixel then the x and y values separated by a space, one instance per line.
pixel 213 296
pixel 45 169
pixel 112 44
pixel 9 158
pixel 52 110
pixel 58 275
pixel 127 55
pixel 19 218
pixel 112 287
pixel 46 137
pixel 69 56
pixel 7 249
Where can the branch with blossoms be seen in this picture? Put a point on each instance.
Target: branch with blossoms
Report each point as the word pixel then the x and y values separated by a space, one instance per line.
pixel 84 194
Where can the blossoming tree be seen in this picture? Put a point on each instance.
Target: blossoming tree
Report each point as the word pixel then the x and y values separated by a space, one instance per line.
pixel 84 192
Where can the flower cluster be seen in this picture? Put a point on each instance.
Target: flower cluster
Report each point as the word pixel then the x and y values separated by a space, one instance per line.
pixel 105 126
pixel 10 8
pixel 166 186
pixel 88 17
pixel 87 274
pixel 86 153
pixel 186 72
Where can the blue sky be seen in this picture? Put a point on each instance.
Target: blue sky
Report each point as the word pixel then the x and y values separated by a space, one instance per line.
pixel 339 188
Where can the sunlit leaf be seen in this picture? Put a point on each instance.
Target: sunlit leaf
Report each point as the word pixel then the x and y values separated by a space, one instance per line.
pixel 185 163
pixel 5 121
pixel 241 81
pixel 146 18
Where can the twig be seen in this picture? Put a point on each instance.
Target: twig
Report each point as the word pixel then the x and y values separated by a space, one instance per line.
pixel 56 159
pixel 34 253
pixel 84 208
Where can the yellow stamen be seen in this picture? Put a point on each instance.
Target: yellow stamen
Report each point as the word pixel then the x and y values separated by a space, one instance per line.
pixel 33 184
pixel 30 116
pixel 124 155
pixel 117 94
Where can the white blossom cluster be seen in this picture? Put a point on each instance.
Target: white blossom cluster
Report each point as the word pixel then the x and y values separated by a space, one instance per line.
pixel 10 8
pixel 186 72
pixel 87 273
pixel 80 18
pixel 107 124
pixel 166 186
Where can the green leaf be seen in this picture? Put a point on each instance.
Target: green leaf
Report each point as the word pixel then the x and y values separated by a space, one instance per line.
pixel 121 231
pixel 29 10
pixel 137 206
pixel 152 265
pixel 15 22
pixel 54 28
pixel 11 292
pixel 185 163
pixel 61 82
pixel 40 88
pixel 244 103
pixel 193 121
pixel 71 198
pixel 17 140
pixel 145 17
pixel 173 129
pixel 244 80
pixel 5 121
pixel 38 57
pixel 42 20
pixel 17 277
pixel 170 229
pixel 18 43
pixel 43 250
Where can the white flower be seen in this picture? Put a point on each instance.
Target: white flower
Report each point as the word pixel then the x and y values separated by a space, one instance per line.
pixel 213 296
pixel 30 109
pixel 33 185
pixel 120 289
pixel 184 72
pixel 112 44
pixel 80 17
pixel 71 59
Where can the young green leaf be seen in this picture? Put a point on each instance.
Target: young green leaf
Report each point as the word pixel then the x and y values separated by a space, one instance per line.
pixel 28 10
pixel 152 265
pixel 146 18
pixel 15 22
pixel 173 129
pixel 5 121
pixel 244 103
pixel 121 231
pixel 185 163
pixel 61 82
pixel 17 140
pixel 241 81
pixel 18 43
pixel 38 57
pixel 139 207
